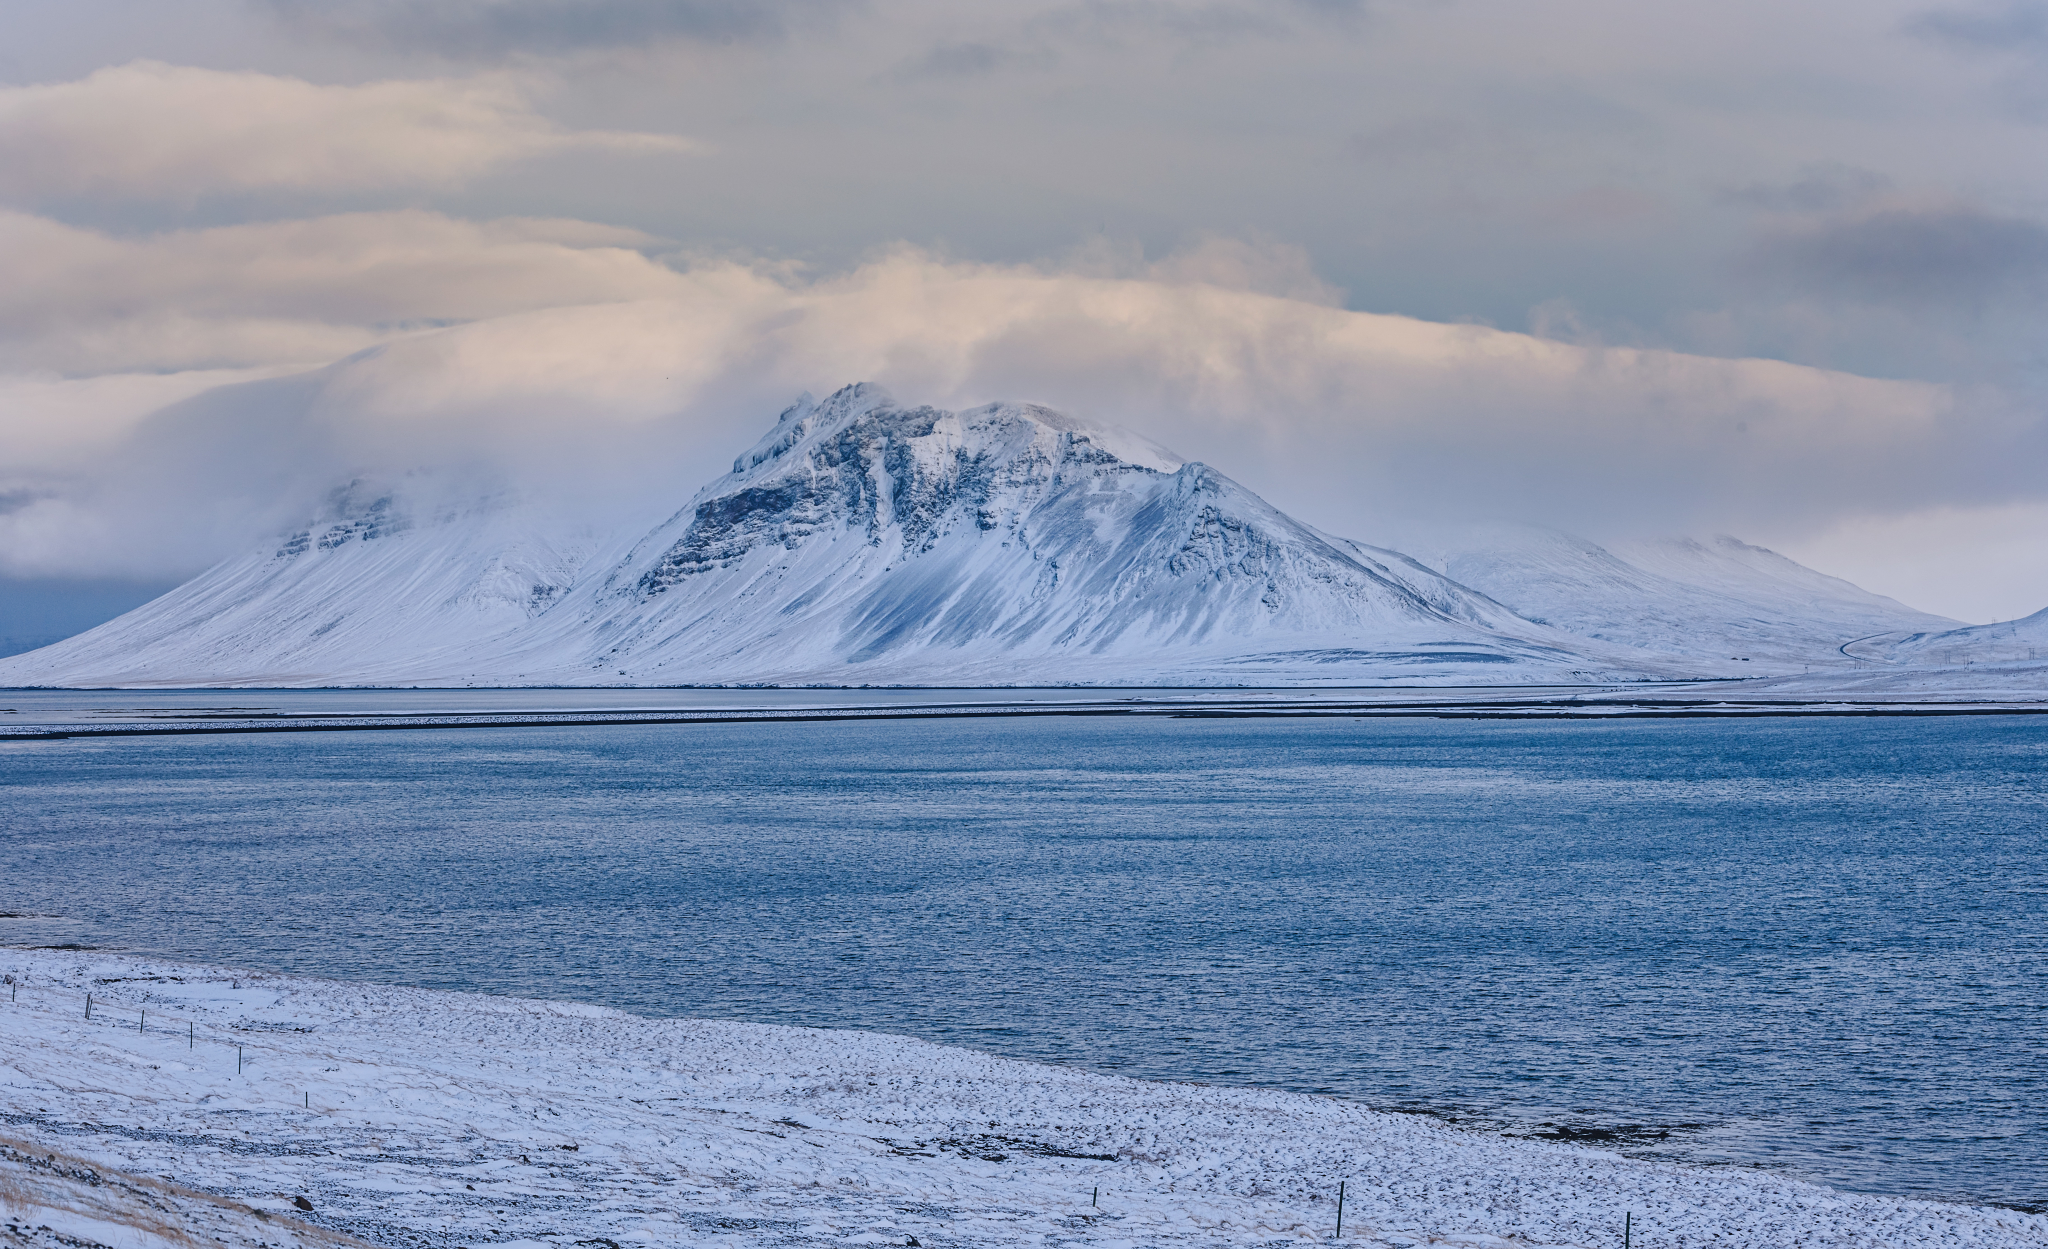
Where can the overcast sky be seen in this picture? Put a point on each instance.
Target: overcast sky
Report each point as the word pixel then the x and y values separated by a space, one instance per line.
pixel 1776 270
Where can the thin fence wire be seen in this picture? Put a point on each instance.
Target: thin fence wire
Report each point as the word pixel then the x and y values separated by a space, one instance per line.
pixel 117 1017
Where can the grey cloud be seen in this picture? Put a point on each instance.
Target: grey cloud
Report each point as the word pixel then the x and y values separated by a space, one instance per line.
pixel 1824 186
pixel 2016 34
pixel 974 59
pixel 15 500
pixel 490 29
pixel 1409 138
pixel 1910 257
pixel 1993 29
pixel 1222 23
pixel 1505 118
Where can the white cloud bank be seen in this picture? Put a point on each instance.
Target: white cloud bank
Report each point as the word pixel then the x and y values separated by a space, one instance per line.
pixel 1354 421
pixel 159 131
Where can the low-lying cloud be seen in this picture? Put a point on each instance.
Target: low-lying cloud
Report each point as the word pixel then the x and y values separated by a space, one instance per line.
pixel 1821 187
pixel 1353 421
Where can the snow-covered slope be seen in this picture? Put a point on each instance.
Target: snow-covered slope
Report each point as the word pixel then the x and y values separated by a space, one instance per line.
pixel 1731 608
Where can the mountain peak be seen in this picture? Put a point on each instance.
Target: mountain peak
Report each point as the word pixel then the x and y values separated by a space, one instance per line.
pixel 900 476
pixel 989 430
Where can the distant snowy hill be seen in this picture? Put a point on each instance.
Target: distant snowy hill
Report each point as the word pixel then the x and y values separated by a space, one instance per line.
pixel 2008 642
pixel 385 577
pixel 862 542
pixel 1733 608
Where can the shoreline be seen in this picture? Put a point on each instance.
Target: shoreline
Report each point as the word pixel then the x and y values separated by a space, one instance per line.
pixel 420 1117
pixel 1591 705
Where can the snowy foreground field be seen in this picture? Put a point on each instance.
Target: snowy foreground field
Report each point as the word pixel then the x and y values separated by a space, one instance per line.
pixel 366 1113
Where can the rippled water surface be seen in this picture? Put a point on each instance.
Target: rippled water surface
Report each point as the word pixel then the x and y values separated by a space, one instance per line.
pixel 1819 945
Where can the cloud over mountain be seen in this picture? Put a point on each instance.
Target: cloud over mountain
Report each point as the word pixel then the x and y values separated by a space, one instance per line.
pixel 1351 420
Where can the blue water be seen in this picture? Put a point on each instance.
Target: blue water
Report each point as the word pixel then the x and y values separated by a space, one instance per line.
pixel 1818 945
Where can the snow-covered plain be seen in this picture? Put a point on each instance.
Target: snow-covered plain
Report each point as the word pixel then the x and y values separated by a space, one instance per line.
pixel 864 543
pixel 408 1117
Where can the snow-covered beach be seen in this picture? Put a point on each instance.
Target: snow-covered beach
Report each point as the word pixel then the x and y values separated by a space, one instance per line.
pixel 253 1108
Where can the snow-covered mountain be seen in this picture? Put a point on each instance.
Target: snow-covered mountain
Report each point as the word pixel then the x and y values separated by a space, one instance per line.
pixel 863 542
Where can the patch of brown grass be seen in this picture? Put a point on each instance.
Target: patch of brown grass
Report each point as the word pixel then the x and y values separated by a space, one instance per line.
pixel 35 1178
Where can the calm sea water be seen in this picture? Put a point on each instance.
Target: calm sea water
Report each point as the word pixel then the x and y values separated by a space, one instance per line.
pixel 1816 945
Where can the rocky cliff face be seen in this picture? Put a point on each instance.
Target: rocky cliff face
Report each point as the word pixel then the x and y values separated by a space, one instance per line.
pixel 904 475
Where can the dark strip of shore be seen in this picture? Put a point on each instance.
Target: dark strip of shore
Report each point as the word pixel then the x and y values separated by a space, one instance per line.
pixel 1578 709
